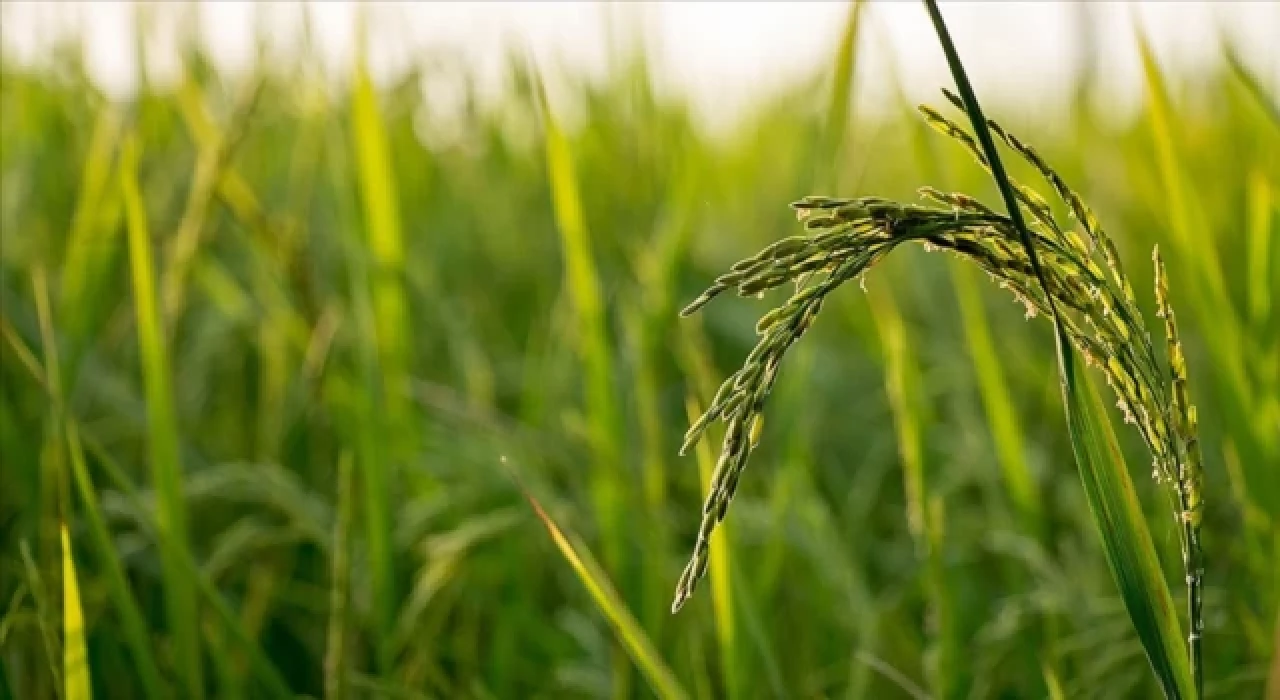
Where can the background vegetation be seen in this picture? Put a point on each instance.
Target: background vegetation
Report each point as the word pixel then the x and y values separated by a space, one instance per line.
pixel 300 371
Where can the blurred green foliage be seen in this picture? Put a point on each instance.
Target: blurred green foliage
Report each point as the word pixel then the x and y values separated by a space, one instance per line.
pixel 455 307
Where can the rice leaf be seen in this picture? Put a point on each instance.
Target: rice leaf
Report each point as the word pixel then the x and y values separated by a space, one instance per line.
pixel 54 498
pixel 166 467
pixel 117 586
pixel 1127 542
pixel 903 381
pixel 75 658
pixel 628 631
pixel 382 218
pixel 91 244
pixel 1052 684
pixel 390 323
pixel 603 423
pixel 1185 217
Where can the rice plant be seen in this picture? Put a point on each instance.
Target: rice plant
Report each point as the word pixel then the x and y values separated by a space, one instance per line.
pixel 1083 278
pixel 268 337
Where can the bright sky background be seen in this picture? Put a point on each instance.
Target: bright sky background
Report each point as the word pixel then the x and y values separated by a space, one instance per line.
pixel 722 53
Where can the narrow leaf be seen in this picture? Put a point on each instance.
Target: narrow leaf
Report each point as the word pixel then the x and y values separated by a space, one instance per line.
pixel 628 631
pixel 166 468
pixel 1127 541
pixel 75 658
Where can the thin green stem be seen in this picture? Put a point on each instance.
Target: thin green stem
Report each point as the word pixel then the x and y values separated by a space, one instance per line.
pixel 974 110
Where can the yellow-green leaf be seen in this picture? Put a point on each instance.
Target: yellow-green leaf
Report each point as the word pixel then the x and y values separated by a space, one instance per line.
pixel 75 659
pixel 628 630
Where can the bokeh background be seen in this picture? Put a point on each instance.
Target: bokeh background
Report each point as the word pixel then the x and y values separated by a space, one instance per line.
pixel 310 311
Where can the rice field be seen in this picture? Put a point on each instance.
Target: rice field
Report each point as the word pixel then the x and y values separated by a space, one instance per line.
pixel 302 394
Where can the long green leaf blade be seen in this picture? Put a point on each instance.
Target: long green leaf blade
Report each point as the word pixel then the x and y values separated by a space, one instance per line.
pixel 903 381
pixel 628 630
pixel 75 657
pixel 390 323
pixel 91 243
pixel 166 466
pixel 1127 541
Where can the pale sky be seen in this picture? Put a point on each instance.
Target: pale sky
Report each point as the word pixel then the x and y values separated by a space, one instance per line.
pixel 721 53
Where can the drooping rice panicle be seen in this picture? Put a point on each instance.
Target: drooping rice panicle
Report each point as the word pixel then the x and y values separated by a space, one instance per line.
pixel 845 237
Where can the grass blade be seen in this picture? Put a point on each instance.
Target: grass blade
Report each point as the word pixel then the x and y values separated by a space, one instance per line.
pixel 993 389
pixel 1184 215
pixel 924 508
pixel 186 565
pixel 94 231
pixel 1127 541
pixel 661 680
pixel 212 155
pixel 166 467
pixel 75 658
pixel 54 497
pixel 901 386
pixel 382 226
pixel 390 319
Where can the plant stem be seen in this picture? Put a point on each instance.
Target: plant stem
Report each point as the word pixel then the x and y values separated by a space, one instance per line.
pixel 1193 565
pixel 974 110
